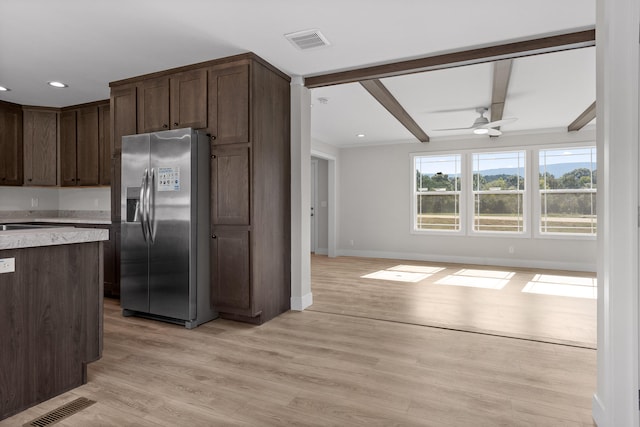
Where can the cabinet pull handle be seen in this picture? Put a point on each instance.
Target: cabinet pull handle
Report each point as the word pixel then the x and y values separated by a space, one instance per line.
pixel 212 137
pixel 175 124
pixel 165 126
pixel 30 180
pixel 213 156
pixel 213 236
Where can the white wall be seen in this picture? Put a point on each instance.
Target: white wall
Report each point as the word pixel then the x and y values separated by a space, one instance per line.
pixel 84 199
pixel 375 210
pixel 54 199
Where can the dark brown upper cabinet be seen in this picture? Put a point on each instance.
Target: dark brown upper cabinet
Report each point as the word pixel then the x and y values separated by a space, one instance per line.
pixel 40 134
pixel 104 144
pixel 11 163
pixel 229 104
pixel 153 105
pixel 123 115
pixel 83 142
pixel 189 100
pixel 68 175
pixel 173 102
pixel 87 147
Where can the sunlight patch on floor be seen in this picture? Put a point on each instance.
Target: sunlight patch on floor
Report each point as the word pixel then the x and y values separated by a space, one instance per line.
pixel 486 279
pixel 404 273
pixel 417 269
pixel 398 276
pixel 564 286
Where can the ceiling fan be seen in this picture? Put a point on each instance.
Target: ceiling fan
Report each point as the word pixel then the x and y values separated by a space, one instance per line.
pixel 482 125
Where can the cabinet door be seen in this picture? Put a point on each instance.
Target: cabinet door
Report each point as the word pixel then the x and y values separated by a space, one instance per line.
pixel 109 251
pixel 123 115
pixel 229 104
pixel 230 186
pixel 153 105
pixel 116 163
pixel 11 172
pixel 230 279
pixel 189 99
pixel 68 148
pixel 87 147
pixel 40 147
pixel 104 144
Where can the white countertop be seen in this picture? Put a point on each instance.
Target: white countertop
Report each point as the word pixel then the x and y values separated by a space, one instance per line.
pixel 57 220
pixel 29 238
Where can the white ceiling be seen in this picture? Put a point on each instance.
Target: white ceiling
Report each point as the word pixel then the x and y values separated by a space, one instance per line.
pixel 87 44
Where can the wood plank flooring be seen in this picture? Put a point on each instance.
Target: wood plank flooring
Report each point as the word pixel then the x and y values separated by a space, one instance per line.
pixel 322 369
pixel 338 287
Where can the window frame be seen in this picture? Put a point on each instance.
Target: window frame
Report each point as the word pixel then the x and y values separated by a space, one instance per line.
pixel 414 194
pixel 537 225
pixel 526 202
pixel 532 199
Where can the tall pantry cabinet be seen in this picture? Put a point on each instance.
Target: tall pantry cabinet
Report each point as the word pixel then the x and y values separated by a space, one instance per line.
pixel 243 104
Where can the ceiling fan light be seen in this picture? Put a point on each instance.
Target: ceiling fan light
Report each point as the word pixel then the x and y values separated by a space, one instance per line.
pixel 481 131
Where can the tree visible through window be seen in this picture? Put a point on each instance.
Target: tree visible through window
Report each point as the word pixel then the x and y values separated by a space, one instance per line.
pixel 568 191
pixel 498 191
pixel 437 192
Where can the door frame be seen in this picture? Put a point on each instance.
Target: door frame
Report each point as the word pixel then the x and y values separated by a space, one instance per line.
pixel 314 205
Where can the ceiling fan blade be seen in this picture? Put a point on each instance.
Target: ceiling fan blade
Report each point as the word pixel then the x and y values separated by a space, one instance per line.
pixel 453 129
pixel 493 132
pixel 499 123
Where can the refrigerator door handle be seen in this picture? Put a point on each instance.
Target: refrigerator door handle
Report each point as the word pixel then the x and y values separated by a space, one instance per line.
pixel 141 207
pixel 151 205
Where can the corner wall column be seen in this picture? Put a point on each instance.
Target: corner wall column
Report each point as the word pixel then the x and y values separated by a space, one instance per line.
pixel 301 296
pixel 615 402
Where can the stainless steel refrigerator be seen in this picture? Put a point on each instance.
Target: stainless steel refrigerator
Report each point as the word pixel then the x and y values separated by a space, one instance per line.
pixel 165 227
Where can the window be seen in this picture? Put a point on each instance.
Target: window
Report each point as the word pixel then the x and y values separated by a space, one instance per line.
pixel 437 192
pixel 568 191
pixel 498 191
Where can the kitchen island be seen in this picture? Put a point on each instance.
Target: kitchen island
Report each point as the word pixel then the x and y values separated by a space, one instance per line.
pixel 50 312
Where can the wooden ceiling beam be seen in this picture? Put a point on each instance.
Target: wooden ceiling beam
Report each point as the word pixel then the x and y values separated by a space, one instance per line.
pixel 583 119
pixel 501 76
pixel 380 92
pixel 519 49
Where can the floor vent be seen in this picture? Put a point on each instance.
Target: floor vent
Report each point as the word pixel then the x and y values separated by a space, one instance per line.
pixel 308 39
pixel 60 413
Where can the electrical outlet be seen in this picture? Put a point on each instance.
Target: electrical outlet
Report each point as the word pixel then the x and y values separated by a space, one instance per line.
pixel 34 202
pixel 512 249
pixel 7 265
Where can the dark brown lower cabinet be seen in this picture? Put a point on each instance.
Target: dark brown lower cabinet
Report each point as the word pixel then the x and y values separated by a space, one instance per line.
pixel 111 252
pixel 111 259
pixel 230 280
pixel 50 322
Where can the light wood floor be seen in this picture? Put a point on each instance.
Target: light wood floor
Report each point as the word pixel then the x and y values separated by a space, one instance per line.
pixel 321 369
pixel 338 287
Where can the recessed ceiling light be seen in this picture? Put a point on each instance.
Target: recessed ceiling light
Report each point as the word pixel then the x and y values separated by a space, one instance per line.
pixel 360 135
pixel 4 89
pixel 481 131
pixel 57 84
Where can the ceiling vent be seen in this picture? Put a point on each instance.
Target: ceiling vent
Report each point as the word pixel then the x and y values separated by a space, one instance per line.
pixel 308 39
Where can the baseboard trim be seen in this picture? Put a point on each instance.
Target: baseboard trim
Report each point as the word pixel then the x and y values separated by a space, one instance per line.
pixel 300 303
pixel 504 262
pixel 597 411
pixel 322 251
